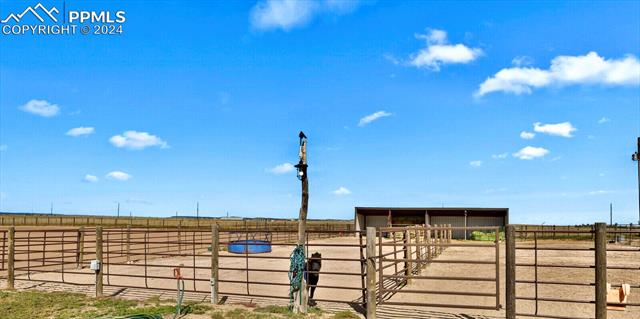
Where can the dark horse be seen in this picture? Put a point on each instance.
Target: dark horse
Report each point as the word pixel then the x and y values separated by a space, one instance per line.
pixel 313 264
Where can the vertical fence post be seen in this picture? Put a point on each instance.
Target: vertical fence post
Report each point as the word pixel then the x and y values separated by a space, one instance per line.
pixel 128 247
pixel 429 247
pixel 601 270
pixel 99 272
pixel 215 248
pixel 80 248
pixel 371 273
pixel 409 263
pixel 510 289
pixel 12 252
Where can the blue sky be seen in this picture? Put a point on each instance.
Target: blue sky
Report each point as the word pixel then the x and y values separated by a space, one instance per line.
pixel 531 106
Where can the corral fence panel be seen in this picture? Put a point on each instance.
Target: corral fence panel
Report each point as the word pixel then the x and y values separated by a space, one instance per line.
pixel 560 266
pixel 415 262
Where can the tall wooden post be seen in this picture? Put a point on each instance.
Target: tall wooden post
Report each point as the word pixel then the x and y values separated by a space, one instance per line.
pixel 11 262
pixel 371 273
pixel 99 272
pixel 300 306
pixel 601 270
pixel 215 248
pixel 510 289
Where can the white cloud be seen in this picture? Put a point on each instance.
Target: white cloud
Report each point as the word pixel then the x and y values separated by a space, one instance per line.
pixel 90 178
pixel 522 60
pixel 372 117
pixel 500 156
pixel 527 135
pixel 119 176
pixel 282 168
pixel 530 152
pixel 563 129
pixel 565 70
pixel 438 52
pixel 3 147
pixel 41 108
pixel 288 14
pixel 137 140
pixel 604 120
pixel 79 131
pixel 475 163
pixel 341 191
pixel 600 192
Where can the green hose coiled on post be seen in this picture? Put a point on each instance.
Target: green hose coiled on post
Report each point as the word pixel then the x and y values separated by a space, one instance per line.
pixel 296 271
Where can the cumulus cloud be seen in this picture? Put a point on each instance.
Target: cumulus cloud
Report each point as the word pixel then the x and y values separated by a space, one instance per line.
pixel 137 140
pixel 118 176
pixel 530 152
pixel 372 117
pixel 565 70
pixel 80 131
pixel 527 135
pixel 289 14
pixel 438 52
pixel 341 191
pixel 41 108
pixel 563 129
pixel 282 168
pixel 500 156
pixel 475 163
pixel 604 120
pixel 90 178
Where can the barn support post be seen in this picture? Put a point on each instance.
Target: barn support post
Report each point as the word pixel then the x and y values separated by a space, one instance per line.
pixel 99 272
pixel 215 248
pixel 11 262
pixel 510 289
pixel 371 273
pixel 465 225
pixel 601 270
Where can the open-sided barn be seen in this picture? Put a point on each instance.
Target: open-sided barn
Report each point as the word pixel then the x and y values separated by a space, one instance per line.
pixel 455 216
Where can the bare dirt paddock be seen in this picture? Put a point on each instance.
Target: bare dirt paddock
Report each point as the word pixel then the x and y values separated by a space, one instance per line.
pixel 341 280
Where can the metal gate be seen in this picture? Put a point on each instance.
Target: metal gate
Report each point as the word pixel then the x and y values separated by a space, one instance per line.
pixel 424 266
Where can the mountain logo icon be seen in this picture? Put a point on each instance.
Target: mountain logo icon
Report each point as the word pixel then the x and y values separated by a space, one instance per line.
pixel 34 11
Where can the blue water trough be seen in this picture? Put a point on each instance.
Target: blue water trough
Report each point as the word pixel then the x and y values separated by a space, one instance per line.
pixel 250 246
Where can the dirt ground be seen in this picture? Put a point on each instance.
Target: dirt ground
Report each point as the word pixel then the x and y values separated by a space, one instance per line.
pixel 278 294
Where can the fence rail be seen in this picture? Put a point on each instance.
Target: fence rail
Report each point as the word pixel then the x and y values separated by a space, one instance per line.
pixel 170 222
pixel 398 266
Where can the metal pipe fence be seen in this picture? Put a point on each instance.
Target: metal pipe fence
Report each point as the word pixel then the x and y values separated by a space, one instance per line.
pixel 579 262
pixel 420 247
pixel 410 265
